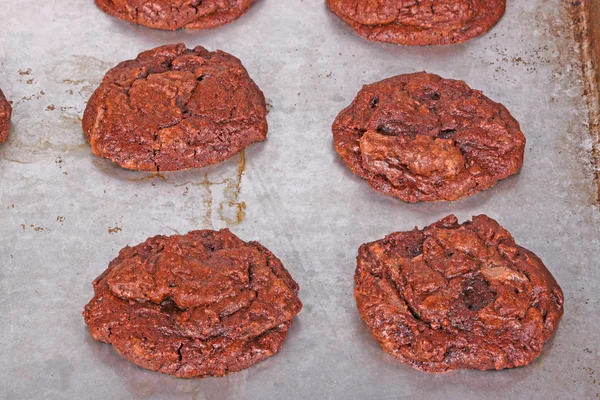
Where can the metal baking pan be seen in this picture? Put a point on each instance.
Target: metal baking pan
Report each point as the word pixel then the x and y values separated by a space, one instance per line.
pixel 64 214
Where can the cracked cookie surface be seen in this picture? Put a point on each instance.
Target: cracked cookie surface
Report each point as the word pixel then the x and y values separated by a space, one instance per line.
pixel 176 14
pixel 456 296
pixel 420 137
pixel 173 108
pixel 206 303
pixel 419 22
pixel 5 114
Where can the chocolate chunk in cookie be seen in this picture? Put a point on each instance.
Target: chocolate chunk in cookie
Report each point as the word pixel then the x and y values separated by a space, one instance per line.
pixel 5 113
pixel 176 14
pixel 420 137
pixel 419 22
pixel 456 296
pixel 173 108
pixel 206 303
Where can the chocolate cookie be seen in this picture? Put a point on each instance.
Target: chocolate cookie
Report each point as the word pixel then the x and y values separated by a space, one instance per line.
pixel 206 303
pixel 176 14
pixel 423 138
pixel 5 113
pixel 419 22
pixel 456 296
pixel 173 108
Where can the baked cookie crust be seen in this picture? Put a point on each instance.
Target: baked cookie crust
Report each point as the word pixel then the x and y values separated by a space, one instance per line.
pixel 173 108
pixel 423 22
pixel 206 303
pixel 420 137
pixel 176 14
pixel 457 296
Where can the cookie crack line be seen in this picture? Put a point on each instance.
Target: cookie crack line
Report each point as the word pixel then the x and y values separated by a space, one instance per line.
pixel 474 320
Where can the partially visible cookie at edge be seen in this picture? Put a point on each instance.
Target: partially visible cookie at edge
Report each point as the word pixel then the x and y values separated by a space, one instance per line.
pixel 5 114
pixel 172 15
pixel 430 22
pixel 174 108
pixel 202 304
pixel 457 296
pixel 420 137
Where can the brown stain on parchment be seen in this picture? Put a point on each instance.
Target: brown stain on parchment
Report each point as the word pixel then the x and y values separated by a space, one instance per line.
pixel 528 58
pixel 74 81
pixel 34 227
pixel 230 210
pixel 208 203
pixel 102 166
pixel 71 115
pixel 116 229
pixel 149 177
pixel 84 86
pixel 587 34
pixel 593 378
pixel 207 199
pixel 60 220
pixel 232 195
pixel 110 168
pixel 85 75
pixel 35 96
